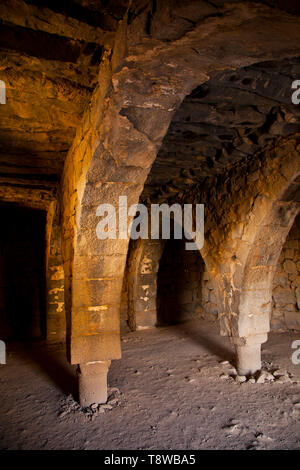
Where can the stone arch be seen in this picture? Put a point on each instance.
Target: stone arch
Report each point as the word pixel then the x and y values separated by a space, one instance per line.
pixel 117 143
pixel 256 295
pixel 242 259
pixel 142 269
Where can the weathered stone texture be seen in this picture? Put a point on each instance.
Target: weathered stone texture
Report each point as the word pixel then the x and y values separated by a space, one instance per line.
pixel 55 320
pixel 184 287
pixel 286 292
pixel 149 93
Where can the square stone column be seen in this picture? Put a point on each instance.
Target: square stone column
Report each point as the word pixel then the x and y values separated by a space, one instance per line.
pixel 92 379
pixel 248 353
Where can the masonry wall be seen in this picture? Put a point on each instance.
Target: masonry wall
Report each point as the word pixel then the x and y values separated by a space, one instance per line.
pixel 183 287
pixel 286 291
pixel 192 293
pixel 185 291
pixel 56 320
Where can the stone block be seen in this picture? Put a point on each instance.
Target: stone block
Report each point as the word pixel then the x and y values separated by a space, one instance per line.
pixel 292 320
pixel 93 383
pixel 212 297
pixel 281 279
pixel 278 324
pixel 255 302
pixel 277 313
pixel 294 244
pixel 144 304
pixel 100 347
pixel 292 276
pixel 146 319
pixel 254 324
pixel 290 267
pixel 290 308
pixel 284 296
pixel 296 281
pixel 289 253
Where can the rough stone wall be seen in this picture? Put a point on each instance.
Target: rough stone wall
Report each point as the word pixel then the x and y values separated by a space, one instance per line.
pixel 179 284
pixel 164 284
pixel 209 302
pixel 56 323
pixel 286 291
pixel 245 209
pixel 124 324
pixel 249 212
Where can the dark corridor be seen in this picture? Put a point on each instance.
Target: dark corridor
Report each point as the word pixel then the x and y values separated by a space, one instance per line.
pixel 178 284
pixel 22 273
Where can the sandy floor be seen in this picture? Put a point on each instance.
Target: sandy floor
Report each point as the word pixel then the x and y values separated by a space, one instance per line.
pixel 172 397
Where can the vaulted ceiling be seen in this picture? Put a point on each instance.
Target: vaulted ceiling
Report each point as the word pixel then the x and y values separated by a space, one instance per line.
pixel 231 117
pixel 50 51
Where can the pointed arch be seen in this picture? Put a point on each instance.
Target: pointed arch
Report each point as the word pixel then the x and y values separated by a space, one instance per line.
pixel 118 141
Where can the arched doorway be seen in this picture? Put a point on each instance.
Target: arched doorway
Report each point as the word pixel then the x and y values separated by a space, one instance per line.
pixel 181 294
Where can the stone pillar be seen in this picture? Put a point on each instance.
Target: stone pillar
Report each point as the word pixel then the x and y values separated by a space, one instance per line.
pixel 248 359
pixel 56 321
pixel 248 354
pixel 92 379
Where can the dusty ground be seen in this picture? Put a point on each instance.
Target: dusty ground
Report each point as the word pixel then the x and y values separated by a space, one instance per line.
pixel 172 397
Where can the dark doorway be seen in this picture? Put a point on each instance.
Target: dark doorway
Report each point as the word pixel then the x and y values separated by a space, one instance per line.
pixel 178 284
pixel 22 273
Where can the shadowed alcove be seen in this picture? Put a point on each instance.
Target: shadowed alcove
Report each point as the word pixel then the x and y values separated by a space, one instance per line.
pixel 179 296
pixel 22 273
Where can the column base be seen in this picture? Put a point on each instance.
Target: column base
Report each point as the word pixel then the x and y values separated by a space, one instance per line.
pixel 92 378
pixel 248 353
pixel 248 359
